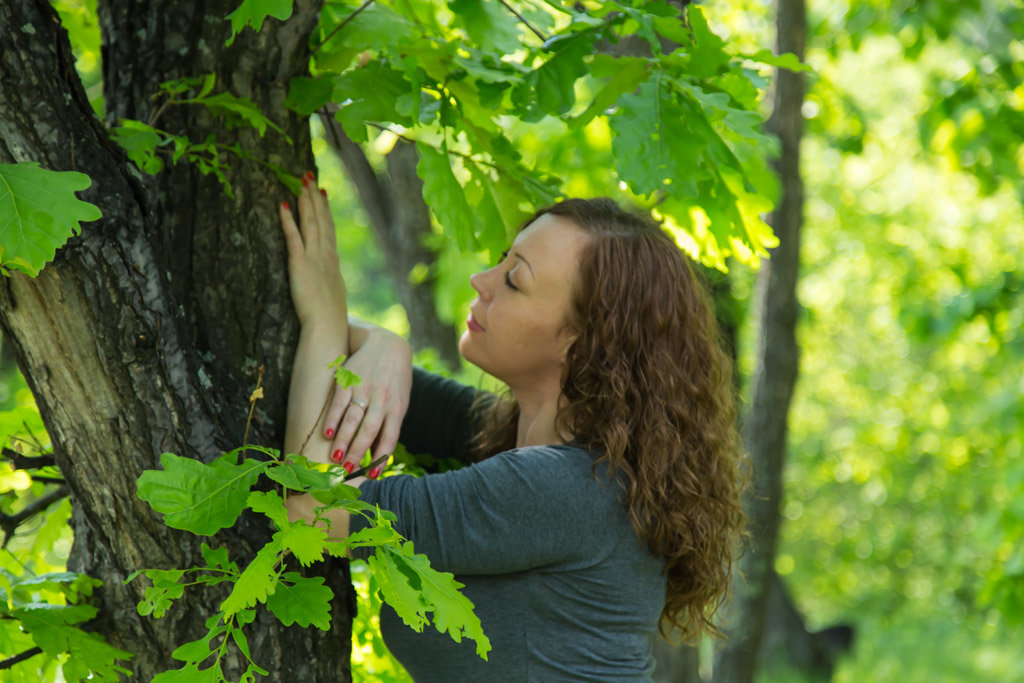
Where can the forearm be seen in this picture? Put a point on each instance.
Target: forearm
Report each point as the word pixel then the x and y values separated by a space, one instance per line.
pixel 311 385
pixel 337 519
pixel 359 332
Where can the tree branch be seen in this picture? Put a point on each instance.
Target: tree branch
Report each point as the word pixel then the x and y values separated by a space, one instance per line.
pixel 20 657
pixel 10 523
pixel 26 462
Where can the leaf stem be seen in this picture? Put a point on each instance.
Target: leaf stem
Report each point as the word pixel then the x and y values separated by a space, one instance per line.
pixel 256 395
pixel 521 18
pixel 340 26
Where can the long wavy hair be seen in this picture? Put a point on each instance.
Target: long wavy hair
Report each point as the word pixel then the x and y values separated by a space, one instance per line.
pixel 648 386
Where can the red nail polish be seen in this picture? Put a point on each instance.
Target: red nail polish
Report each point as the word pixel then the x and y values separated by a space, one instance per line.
pixel 349 466
pixel 323 192
pixel 309 176
pixel 337 455
pixel 329 433
pixel 286 206
pixel 305 181
pixel 373 473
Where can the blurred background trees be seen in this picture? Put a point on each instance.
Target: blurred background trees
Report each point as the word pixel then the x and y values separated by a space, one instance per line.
pixel 903 487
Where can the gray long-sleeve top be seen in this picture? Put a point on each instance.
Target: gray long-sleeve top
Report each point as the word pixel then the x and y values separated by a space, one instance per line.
pixel 560 582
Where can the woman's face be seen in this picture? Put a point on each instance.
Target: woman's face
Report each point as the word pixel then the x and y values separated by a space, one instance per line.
pixel 516 327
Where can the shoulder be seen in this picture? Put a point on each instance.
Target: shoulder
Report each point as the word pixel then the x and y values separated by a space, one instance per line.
pixel 559 471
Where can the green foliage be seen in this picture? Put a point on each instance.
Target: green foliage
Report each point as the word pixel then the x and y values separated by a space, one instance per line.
pixel 254 12
pixel 205 497
pixel 454 85
pixel 902 510
pixel 148 147
pixel 39 212
pixel 50 608
pixel 412 589
pixel 198 497
pixel 342 375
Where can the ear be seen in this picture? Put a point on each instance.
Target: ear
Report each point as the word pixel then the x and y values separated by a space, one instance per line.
pixel 569 338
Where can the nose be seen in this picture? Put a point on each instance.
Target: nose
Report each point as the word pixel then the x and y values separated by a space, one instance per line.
pixel 481 283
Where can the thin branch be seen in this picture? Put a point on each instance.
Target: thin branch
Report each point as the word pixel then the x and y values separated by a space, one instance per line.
pixel 155 116
pixel 341 26
pixel 20 657
pixel 521 18
pixel 256 394
pixel 10 523
pixel 26 462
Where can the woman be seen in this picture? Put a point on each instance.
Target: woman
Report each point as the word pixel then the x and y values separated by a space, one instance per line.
pixel 605 498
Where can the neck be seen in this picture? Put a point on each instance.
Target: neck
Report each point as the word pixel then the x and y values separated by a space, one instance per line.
pixel 537 411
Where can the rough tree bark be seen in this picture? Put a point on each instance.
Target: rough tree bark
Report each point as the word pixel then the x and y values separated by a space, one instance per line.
pixel 775 373
pixel 146 333
pixel 400 220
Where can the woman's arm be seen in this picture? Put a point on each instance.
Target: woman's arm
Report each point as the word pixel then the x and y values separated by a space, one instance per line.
pixel 370 414
pixel 318 292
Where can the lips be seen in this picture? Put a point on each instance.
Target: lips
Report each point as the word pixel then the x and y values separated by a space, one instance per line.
pixel 472 324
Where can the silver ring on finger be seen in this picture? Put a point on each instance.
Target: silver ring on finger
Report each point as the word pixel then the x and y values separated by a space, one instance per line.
pixel 358 403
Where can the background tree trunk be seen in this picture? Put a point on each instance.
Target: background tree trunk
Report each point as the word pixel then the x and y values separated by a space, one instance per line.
pixel 775 373
pixel 146 333
pixel 400 220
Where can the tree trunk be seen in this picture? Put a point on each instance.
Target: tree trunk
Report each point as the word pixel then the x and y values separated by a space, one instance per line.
pixel 400 220
pixel 775 373
pixel 786 638
pixel 146 333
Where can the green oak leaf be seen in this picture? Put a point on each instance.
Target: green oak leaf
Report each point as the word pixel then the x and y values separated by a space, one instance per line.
pixel 196 650
pixel 190 673
pixel 653 139
pixel 299 476
pixel 253 12
pixel 306 542
pixel 270 504
pixel 39 212
pixel 140 141
pixel 197 497
pixel 52 628
pixel 342 375
pixel 369 93
pixel 444 195
pixel 306 95
pixel 217 558
pixel 397 591
pixel 787 60
pixel 551 87
pixel 488 25
pixel 624 75
pixel 238 111
pixel 412 587
pixel 302 600
pixel 257 581
pixel 166 588
pixel 707 50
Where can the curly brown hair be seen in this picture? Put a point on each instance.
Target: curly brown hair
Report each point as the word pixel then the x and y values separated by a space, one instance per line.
pixel 648 385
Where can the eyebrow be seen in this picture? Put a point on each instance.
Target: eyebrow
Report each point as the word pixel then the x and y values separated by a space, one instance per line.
pixel 520 257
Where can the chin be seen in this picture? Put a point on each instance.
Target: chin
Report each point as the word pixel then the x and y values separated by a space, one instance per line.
pixel 466 347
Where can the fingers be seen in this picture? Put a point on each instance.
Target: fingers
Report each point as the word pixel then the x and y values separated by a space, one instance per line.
pixel 335 411
pixel 354 415
pixel 324 221
pixel 387 440
pixel 311 233
pixel 292 238
pixel 369 428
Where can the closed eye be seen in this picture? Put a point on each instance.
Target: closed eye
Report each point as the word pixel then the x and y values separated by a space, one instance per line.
pixel 508 282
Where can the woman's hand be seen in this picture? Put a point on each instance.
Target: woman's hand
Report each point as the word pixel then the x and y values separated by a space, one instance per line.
pixel 318 292
pixel 370 413
pixel 318 289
